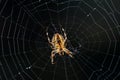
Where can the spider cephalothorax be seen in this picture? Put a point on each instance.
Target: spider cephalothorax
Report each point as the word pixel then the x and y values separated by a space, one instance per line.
pixel 58 44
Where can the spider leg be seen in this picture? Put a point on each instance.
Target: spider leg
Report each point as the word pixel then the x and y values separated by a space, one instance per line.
pixel 64 34
pixel 52 56
pixel 49 40
pixel 60 53
pixel 63 53
pixel 68 52
pixel 48 37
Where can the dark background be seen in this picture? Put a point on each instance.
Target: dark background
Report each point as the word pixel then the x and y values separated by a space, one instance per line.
pixel 92 28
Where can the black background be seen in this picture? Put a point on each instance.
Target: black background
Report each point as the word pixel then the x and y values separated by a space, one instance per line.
pixel 92 28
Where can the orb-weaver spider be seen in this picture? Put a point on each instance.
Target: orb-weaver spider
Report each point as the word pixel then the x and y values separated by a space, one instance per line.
pixel 58 45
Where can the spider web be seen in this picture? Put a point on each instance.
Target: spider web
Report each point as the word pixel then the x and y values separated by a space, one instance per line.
pixel 92 28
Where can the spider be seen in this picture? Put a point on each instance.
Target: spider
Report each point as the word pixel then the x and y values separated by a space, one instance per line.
pixel 58 45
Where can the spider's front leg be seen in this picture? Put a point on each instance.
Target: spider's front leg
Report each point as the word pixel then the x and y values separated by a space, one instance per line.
pixel 52 56
pixel 68 52
pixel 62 52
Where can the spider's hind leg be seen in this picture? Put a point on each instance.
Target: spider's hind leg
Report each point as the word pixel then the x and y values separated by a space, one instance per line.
pixel 65 35
pixel 48 37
